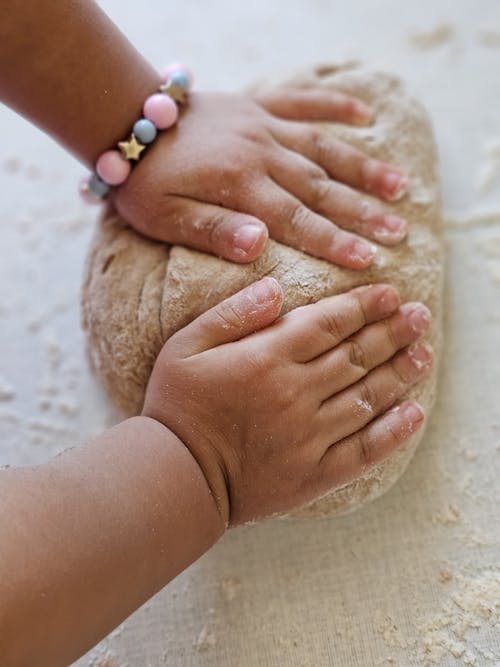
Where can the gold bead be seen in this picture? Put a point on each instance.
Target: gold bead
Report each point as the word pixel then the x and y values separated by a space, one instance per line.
pixel 131 149
pixel 177 93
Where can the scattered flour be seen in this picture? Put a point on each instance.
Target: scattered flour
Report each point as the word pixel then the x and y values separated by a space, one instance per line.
pixel 461 630
pixel 386 626
pixel 49 427
pixel 206 640
pixel 68 408
pixel 7 391
pixel 425 40
pixel 102 657
pixel 489 174
pixel 363 406
pixel 489 38
pixel 465 621
pixel 11 165
pixel 54 352
pixel 230 587
pixel 10 418
pixel 445 575
pixel 447 516
pixel 473 219
pixel 491 249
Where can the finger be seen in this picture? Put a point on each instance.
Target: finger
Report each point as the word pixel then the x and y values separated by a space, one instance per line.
pixel 349 411
pixel 316 104
pixel 292 223
pixel 251 309
pixel 348 459
pixel 235 236
pixel 335 201
pixel 342 161
pixel 373 345
pixel 311 330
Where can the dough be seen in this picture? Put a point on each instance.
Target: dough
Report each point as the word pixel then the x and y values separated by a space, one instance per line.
pixel 137 292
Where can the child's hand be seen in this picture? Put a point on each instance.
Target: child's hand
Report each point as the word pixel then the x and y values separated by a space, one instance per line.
pixel 277 413
pixel 231 168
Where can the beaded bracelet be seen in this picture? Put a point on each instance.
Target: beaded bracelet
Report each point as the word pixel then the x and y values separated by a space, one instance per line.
pixel 160 112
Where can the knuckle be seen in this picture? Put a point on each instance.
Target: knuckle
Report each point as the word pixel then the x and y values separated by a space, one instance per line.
pixel 228 316
pixel 368 396
pixel 333 324
pixel 320 190
pixel 392 335
pixel 368 169
pixel 318 142
pixel 305 233
pixel 358 308
pixel 365 449
pixel 403 374
pixel 357 355
pixel 213 228
pixel 255 136
pixel 300 218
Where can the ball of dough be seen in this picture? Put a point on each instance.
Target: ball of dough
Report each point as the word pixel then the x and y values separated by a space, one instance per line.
pixel 138 292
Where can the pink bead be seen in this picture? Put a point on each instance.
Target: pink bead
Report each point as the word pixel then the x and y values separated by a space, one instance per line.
pixel 177 67
pixel 161 110
pixel 112 167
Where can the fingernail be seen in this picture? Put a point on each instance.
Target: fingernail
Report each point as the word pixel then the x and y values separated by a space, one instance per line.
pixel 413 412
pixel 364 252
pixel 363 114
pixel 394 223
pixel 418 316
pixel 394 185
pixel 388 302
pixel 394 229
pixel 264 291
pixel 247 237
pixel 421 355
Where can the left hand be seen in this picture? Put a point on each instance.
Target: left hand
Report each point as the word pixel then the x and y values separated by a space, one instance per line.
pixel 235 169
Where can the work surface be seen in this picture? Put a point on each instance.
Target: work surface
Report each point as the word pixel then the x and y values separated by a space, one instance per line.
pixel 413 579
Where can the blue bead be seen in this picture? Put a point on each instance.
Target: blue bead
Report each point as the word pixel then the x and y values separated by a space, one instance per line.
pixel 97 187
pixel 144 131
pixel 180 79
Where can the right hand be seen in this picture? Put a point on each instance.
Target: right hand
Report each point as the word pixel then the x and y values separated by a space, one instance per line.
pixel 277 412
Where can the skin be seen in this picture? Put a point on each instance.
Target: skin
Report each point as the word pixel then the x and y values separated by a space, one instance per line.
pixel 193 187
pixel 90 535
pixel 102 527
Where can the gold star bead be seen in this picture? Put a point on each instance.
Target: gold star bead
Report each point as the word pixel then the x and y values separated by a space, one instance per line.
pixel 131 149
pixel 177 93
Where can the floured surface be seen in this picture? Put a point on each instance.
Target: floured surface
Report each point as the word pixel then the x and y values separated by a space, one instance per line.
pixel 372 588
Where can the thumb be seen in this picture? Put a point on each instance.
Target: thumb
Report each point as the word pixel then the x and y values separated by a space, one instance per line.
pixel 251 309
pixel 236 236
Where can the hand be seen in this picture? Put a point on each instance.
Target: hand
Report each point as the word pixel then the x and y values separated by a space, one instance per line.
pixel 277 412
pixel 231 172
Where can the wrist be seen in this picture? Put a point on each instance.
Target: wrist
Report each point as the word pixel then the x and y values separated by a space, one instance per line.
pixel 204 456
pixel 160 111
pixel 193 487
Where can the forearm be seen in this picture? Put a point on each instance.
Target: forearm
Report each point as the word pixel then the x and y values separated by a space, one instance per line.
pixel 66 67
pixel 90 536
